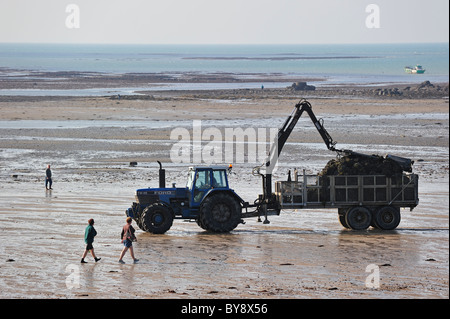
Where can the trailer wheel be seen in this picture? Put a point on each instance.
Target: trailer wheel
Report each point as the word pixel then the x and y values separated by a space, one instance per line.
pixel 388 217
pixel 358 218
pixel 220 213
pixel 341 213
pixel 157 218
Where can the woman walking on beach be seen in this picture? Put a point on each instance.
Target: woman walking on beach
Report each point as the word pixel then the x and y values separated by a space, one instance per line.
pixel 89 235
pixel 127 240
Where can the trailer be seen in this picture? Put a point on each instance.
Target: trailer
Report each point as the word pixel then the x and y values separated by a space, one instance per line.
pixel 361 200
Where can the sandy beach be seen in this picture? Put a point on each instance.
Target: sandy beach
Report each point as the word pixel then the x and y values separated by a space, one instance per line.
pixel 90 141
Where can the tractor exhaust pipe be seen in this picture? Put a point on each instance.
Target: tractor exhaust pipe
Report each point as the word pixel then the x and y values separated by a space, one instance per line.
pixel 162 176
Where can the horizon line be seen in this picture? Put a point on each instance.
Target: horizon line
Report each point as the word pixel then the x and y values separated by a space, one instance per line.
pixel 218 44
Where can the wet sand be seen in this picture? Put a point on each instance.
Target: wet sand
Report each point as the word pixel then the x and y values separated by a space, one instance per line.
pixel 301 254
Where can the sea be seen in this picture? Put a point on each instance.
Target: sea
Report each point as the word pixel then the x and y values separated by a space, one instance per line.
pixel 325 64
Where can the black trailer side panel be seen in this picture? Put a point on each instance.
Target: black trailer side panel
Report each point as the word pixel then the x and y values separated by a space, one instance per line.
pixel 336 191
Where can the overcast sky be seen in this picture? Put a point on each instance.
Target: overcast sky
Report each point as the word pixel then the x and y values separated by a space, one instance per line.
pixel 224 21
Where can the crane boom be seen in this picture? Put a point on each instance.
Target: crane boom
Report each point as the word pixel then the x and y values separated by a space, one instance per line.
pixel 283 134
pixel 291 121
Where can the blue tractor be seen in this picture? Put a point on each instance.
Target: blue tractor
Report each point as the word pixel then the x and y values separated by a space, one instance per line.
pixel 207 198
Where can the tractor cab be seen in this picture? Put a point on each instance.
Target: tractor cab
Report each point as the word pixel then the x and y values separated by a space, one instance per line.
pixel 203 180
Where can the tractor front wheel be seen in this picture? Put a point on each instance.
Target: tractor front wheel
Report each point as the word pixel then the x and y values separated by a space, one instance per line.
pixel 157 218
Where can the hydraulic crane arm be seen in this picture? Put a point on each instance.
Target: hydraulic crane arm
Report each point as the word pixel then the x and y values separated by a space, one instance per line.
pixel 282 136
pixel 285 131
pixel 291 121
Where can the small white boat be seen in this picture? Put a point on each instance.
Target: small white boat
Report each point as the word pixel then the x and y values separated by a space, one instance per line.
pixel 414 70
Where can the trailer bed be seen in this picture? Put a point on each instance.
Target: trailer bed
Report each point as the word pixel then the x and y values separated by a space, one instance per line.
pixel 340 191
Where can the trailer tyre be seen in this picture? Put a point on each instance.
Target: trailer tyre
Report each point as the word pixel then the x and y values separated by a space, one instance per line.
pixel 387 218
pixel 157 218
pixel 358 218
pixel 342 214
pixel 220 213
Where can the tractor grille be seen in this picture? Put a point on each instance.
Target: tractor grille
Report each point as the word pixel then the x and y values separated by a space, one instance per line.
pixel 147 198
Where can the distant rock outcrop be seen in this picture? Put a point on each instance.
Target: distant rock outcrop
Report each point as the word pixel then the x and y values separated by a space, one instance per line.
pixel 302 86
pixel 423 90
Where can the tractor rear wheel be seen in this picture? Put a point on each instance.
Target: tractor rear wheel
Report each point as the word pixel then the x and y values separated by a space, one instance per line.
pixel 199 223
pixel 157 218
pixel 220 213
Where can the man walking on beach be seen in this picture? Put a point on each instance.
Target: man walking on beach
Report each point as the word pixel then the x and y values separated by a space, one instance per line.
pixel 48 178
pixel 89 235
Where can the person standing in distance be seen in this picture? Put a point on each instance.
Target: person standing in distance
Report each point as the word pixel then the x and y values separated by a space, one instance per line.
pixel 48 178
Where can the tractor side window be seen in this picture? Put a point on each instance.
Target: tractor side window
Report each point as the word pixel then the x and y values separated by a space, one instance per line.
pixel 202 183
pixel 219 179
